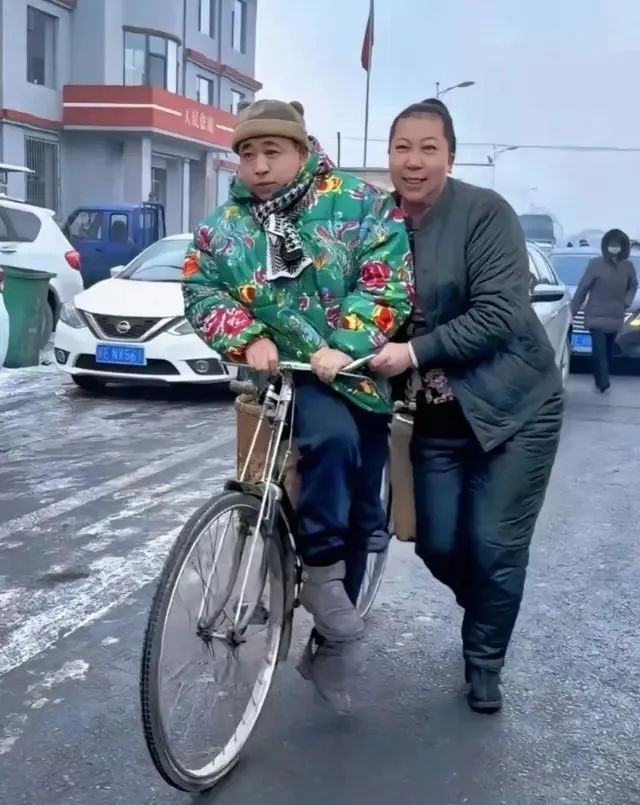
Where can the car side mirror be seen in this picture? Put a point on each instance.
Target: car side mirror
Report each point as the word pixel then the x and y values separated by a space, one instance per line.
pixel 116 271
pixel 547 293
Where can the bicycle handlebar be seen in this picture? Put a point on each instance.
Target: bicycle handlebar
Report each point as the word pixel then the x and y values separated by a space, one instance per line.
pixel 298 366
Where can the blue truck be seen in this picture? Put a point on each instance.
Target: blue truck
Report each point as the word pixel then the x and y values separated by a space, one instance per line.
pixel 111 235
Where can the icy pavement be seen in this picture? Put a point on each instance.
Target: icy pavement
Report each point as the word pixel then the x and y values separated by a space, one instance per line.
pixel 92 490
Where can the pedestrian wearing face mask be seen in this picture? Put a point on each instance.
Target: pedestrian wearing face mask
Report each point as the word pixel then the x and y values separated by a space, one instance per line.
pixel 608 286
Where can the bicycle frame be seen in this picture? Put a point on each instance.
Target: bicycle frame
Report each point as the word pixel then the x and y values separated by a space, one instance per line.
pixel 278 399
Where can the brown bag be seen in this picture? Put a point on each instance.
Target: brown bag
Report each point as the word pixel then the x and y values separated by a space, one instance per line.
pixel 403 510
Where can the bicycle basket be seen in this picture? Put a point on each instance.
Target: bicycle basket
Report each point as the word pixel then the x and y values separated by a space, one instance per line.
pixel 248 411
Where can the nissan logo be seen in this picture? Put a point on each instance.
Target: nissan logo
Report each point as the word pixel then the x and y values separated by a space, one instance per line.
pixel 123 327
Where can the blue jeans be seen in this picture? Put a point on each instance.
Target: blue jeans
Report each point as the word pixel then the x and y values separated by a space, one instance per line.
pixel 343 452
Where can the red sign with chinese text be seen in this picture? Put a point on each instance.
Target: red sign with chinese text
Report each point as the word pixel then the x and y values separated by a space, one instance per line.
pixel 146 108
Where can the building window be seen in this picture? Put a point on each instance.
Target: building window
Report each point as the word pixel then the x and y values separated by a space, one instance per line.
pixel 236 100
pixel 150 60
pixel 205 90
pixel 43 186
pixel 41 48
pixel 208 17
pixel 239 26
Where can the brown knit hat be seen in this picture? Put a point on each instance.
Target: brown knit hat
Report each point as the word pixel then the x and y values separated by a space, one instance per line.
pixel 270 119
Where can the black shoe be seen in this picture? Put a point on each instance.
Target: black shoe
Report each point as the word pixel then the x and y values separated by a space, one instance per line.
pixel 484 695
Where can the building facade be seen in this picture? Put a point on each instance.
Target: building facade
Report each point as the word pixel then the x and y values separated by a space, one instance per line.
pixel 124 101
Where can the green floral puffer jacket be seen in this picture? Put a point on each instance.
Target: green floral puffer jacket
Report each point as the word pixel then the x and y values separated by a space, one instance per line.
pixel 354 297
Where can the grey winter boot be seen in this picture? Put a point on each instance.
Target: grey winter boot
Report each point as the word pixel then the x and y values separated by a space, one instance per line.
pixel 324 596
pixel 328 666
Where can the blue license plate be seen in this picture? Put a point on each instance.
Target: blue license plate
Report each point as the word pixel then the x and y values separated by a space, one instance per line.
pixel 581 342
pixel 121 356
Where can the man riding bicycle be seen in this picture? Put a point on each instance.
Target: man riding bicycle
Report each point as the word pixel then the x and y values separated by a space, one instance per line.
pixel 307 263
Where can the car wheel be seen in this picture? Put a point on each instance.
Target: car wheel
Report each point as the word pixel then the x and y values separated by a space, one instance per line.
pixel 46 328
pixel 87 383
pixel 565 362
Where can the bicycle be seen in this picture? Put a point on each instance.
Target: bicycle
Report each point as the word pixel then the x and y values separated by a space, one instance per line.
pixel 228 616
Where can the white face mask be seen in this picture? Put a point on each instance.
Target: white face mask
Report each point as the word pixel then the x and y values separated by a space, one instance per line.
pixel 614 250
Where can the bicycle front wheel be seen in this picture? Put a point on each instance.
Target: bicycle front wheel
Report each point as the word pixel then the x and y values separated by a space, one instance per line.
pixel 212 642
pixel 376 561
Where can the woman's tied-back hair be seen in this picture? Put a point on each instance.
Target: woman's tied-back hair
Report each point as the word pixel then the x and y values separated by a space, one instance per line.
pixel 431 107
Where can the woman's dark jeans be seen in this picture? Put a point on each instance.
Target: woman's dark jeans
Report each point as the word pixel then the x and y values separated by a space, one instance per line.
pixel 475 516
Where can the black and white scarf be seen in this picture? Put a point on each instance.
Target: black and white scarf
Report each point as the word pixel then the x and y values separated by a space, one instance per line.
pixel 279 218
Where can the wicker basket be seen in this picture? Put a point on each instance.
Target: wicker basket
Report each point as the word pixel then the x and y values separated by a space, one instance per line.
pixel 402 508
pixel 247 415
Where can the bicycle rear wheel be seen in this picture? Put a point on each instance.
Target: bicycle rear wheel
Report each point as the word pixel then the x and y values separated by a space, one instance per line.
pixel 212 642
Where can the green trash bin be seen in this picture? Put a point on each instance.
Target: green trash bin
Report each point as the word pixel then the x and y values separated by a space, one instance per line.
pixel 25 297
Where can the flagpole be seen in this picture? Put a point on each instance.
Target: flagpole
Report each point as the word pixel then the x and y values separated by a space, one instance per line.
pixel 366 119
pixel 367 59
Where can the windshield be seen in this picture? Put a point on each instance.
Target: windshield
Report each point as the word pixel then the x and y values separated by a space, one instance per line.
pixel 537 227
pixel 571 267
pixel 161 262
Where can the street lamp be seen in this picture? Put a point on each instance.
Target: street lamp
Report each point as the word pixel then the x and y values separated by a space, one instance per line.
pixel 461 85
pixel 493 158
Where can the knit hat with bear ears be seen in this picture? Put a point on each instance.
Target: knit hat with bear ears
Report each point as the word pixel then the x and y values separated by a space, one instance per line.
pixel 270 119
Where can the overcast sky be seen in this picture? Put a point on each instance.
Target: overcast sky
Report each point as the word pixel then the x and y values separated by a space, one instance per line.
pixel 554 72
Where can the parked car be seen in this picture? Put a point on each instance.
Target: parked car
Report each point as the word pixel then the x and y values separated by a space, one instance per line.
pixel 131 327
pixel 30 238
pixel 108 235
pixel 551 301
pixel 570 265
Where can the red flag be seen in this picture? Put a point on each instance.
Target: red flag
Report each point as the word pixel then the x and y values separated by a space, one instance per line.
pixel 367 44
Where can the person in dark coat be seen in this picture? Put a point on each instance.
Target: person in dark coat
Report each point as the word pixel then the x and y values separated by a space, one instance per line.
pixel 609 285
pixel 489 400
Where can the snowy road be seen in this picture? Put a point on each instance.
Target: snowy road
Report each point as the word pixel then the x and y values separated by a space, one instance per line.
pixel 91 494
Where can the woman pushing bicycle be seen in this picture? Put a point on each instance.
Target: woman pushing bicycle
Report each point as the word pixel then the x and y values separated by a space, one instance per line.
pixel 307 263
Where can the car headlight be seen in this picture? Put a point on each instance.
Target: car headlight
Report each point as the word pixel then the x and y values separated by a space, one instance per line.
pixel 633 320
pixel 181 327
pixel 70 316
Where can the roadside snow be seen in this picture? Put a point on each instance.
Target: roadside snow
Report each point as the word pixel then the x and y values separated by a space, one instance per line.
pixel 23 378
pixel 30 375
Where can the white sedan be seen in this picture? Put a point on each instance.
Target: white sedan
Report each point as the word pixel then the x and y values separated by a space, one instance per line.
pixel 551 301
pixel 131 328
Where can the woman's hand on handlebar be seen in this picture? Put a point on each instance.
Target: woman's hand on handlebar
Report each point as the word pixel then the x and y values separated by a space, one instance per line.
pixel 393 359
pixel 326 363
pixel 262 356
